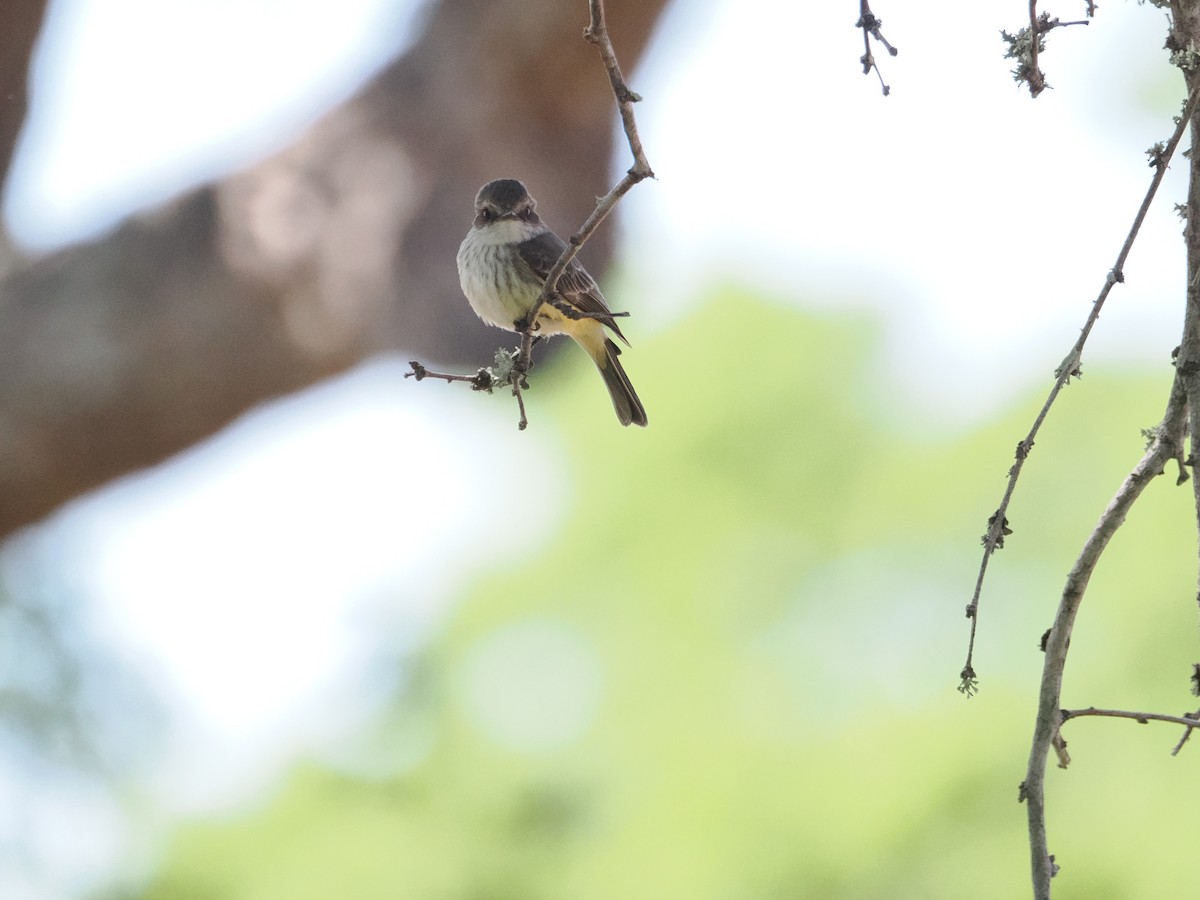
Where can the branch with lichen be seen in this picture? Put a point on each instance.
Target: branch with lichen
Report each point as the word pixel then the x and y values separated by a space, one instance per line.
pixel 512 367
pixel 1026 45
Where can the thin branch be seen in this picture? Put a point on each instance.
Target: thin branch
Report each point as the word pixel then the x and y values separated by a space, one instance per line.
pixel 597 33
pixel 483 380
pixel 993 539
pixel 1049 716
pixel 1188 720
pixel 872 28
pixel 522 363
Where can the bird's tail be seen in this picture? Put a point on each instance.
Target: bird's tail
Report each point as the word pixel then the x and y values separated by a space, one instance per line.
pixel 624 398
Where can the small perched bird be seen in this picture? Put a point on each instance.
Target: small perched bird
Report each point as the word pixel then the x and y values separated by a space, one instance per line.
pixel 502 266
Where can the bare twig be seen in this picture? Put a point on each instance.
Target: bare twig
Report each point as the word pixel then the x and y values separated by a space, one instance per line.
pixel 1187 720
pixel 872 28
pixel 483 380
pixel 1187 733
pixel 993 539
pixel 522 362
pixel 597 33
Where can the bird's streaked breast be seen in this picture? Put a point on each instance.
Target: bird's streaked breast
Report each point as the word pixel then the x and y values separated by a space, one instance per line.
pixel 497 284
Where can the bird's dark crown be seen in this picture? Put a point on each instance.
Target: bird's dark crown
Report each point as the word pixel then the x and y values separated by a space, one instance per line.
pixel 503 194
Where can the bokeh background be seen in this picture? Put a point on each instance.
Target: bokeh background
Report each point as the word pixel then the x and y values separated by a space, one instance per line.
pixel 277 623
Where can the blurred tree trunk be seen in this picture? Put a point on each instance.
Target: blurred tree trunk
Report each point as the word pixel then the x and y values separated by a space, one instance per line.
pixel 118 353
pixel 20 23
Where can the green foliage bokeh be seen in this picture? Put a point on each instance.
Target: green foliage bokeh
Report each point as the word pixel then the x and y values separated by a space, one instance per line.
pixel 731 674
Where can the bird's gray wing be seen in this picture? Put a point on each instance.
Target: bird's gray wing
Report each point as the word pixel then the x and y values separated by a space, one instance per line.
pixel 576 285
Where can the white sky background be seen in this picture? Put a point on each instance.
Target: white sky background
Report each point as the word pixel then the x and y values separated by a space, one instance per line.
pixel 978 222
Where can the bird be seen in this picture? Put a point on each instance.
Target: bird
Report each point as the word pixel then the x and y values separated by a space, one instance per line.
pixel 502 267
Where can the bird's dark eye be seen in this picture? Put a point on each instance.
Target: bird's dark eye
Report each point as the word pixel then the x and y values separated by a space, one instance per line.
pixel 485 214
pixel 527 214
